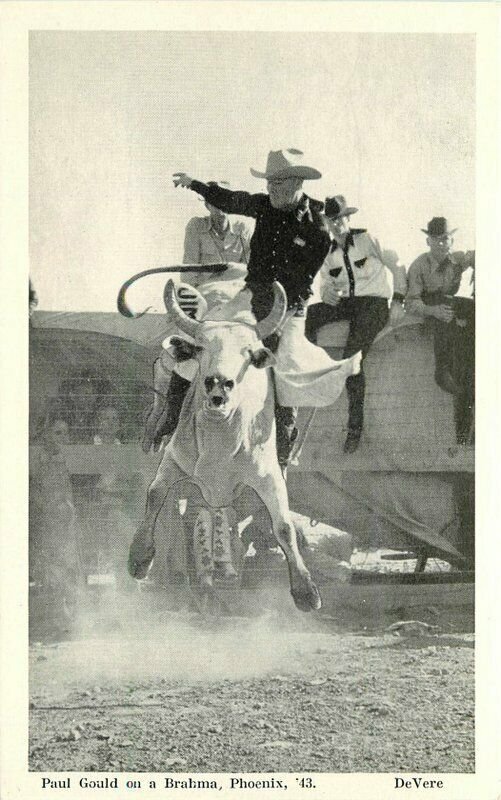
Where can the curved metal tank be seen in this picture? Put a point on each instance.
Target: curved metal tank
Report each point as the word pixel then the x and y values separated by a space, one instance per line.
pixel 409 484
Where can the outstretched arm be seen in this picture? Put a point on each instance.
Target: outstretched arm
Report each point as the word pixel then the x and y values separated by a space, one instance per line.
pixel 230 202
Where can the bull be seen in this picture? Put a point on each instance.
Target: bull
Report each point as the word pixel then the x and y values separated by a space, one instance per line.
pixel 225 440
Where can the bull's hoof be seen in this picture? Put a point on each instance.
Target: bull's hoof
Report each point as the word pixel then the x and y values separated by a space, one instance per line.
pixel 225 572
pixel 306 596
pixel 140 562
pixel 205 582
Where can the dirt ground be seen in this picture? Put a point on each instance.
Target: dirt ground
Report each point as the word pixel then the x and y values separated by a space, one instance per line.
pixel 142 688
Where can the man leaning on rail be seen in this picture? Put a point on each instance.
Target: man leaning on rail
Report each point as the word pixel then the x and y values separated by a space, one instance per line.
pixel 442 293
pixel 356 285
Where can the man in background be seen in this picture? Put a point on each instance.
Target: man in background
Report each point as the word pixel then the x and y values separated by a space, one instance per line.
pixel 32 300
pixel 441 292
pixel 215 239
pixel 356 285
pixel 212 239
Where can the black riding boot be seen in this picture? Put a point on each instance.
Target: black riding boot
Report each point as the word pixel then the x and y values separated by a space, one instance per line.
pixel 355 386
pixel 176 393
pixel 285 419
pixel 443 346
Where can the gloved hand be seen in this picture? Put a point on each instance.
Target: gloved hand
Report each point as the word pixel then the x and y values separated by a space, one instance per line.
pixel 397 312
pixel 182 179
pixel 442 313
pixel 330 295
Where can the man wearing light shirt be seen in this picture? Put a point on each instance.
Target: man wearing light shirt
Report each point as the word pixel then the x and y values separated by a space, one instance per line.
pixel 434 278
pixel 212 239
pixel 215 239
pixel 357 286
pixel 441 291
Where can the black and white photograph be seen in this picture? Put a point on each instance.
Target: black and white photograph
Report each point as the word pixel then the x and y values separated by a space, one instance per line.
pixel 249 533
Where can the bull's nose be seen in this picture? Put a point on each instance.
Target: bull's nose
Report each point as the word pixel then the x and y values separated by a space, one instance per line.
pixel 217 401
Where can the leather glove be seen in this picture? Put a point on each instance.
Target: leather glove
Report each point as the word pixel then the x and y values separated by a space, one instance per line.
pixel 182 179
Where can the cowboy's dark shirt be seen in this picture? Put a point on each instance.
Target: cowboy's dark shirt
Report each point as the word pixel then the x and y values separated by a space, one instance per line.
pixel 287 245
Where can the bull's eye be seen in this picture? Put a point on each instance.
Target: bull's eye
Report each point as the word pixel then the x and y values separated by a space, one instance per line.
pixel 229 385
pixel 209 384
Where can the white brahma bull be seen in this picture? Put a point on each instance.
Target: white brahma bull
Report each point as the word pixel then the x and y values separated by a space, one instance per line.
pixel 225 439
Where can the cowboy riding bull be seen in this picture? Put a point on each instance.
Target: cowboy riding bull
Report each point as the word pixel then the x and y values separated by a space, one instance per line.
pixel 225 439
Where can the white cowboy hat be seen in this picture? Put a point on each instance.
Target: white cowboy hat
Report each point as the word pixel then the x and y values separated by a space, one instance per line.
pixel 287 164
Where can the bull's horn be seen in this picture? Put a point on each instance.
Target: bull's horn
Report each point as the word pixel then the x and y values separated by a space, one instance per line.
pixel 269 324
pixel 184 323
pixel 121 302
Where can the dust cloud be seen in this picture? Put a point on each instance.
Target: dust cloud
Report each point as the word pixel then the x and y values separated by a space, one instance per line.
pixel 140 639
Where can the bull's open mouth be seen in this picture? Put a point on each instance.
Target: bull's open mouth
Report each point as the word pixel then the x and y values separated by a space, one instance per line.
pixel 220 410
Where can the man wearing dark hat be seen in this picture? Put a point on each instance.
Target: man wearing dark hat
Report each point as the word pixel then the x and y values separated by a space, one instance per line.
pixel 356 286
pixel 434 278
pixel 289 244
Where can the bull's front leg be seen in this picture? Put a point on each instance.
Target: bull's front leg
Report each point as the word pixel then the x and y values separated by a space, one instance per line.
pixel 162 371
pixel 142 549
pixel 273 492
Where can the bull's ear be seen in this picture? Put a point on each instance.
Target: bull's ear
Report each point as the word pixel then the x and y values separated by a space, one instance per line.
pixel 262 357
pixel 180 349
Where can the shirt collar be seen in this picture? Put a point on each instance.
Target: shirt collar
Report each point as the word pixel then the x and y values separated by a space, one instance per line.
pixel 305 207
pixel 434 264
pixel 302 209
pixel 349 241
pixel 229 229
